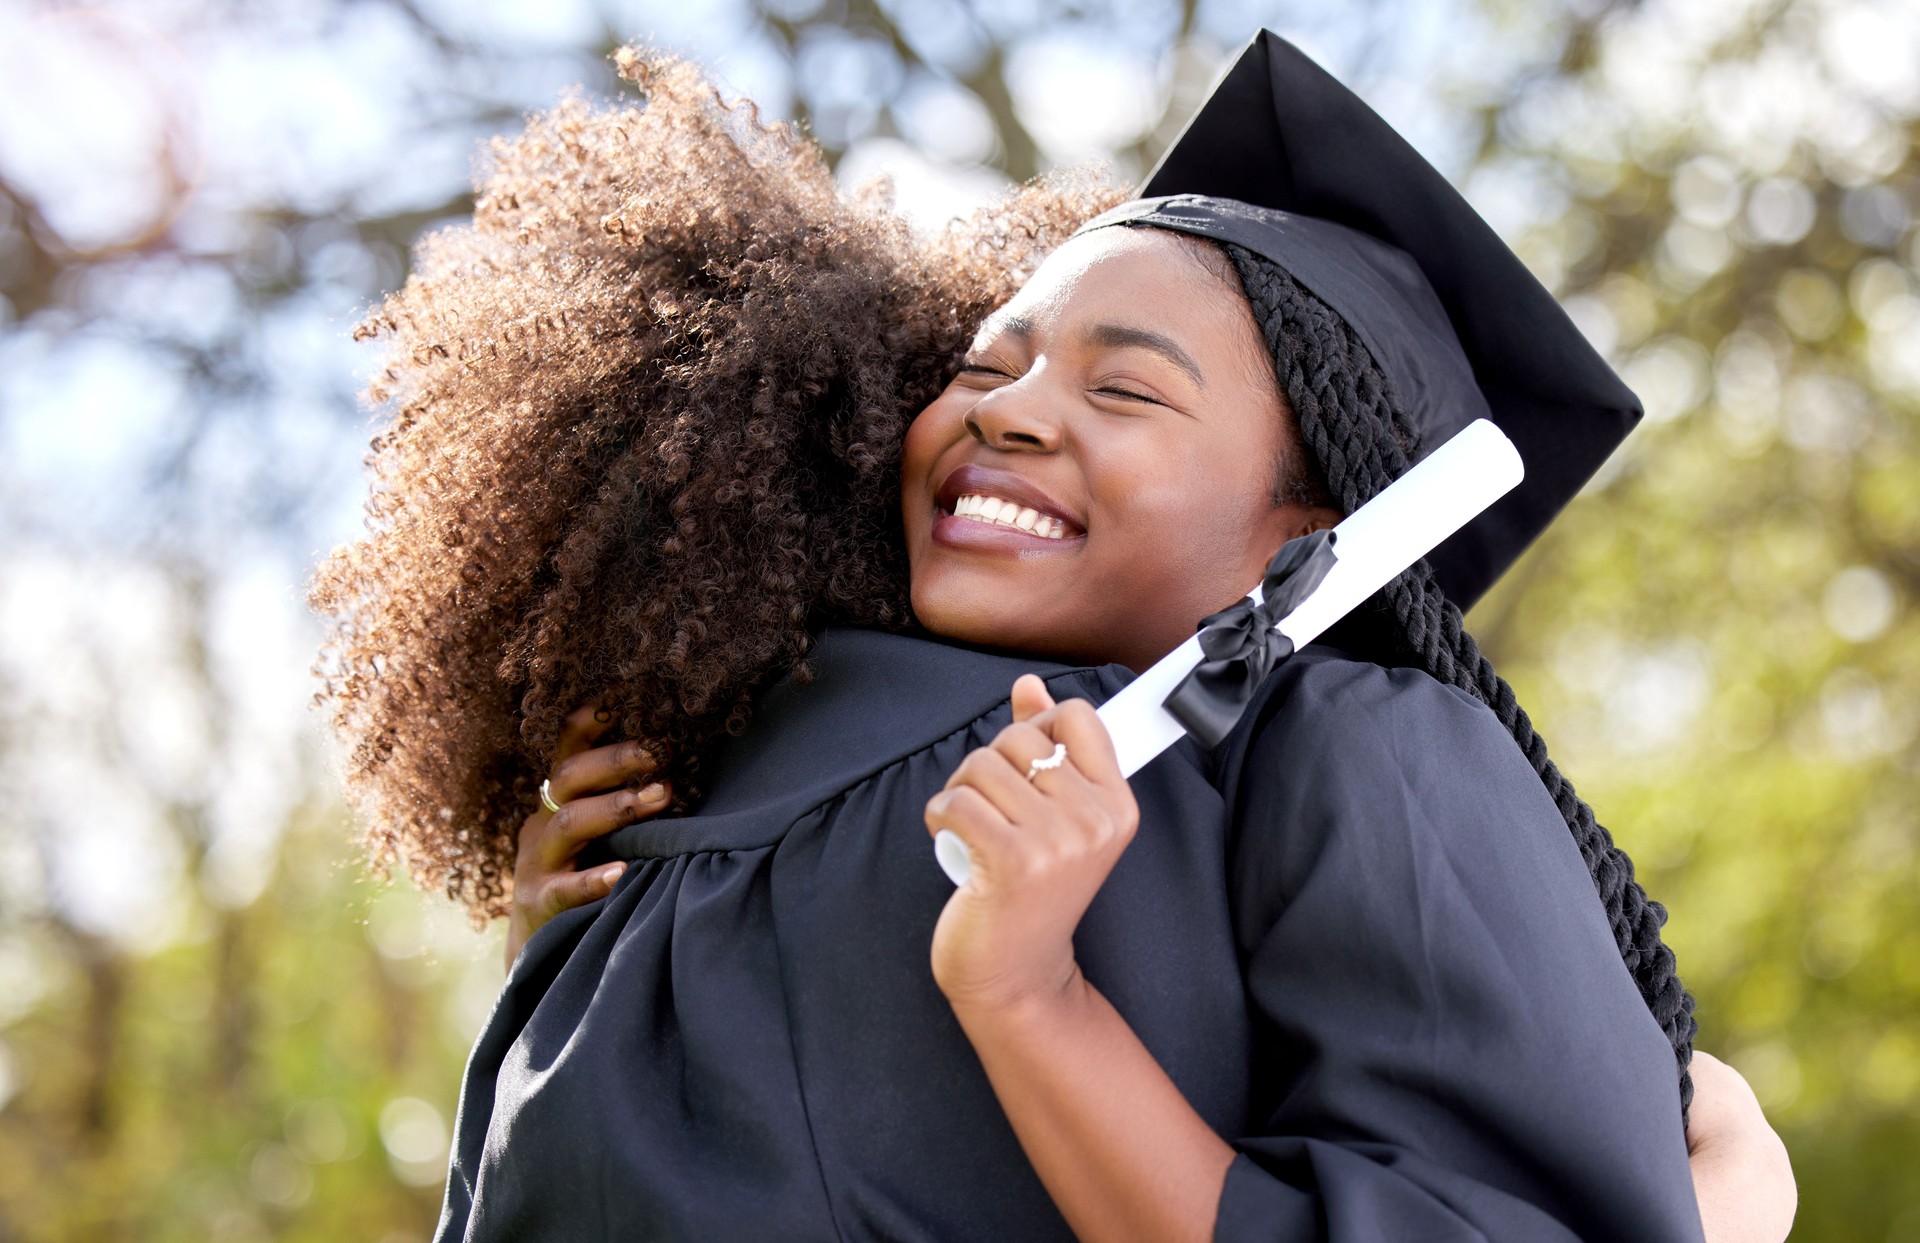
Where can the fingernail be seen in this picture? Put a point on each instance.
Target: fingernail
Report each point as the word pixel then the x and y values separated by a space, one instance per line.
pixel 654 793
pixel 613 874
pixel 603 715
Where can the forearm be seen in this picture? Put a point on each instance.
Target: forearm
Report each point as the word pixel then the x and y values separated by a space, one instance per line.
pixel 1120 1150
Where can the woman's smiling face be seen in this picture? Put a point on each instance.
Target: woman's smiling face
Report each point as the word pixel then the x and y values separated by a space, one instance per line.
pixel 1101 473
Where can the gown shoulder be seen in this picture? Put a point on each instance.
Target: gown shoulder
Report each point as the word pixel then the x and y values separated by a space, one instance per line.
pixel 1356 937
pixel 1448 1044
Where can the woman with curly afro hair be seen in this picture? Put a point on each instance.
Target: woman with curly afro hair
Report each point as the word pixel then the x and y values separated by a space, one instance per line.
pixel 788 496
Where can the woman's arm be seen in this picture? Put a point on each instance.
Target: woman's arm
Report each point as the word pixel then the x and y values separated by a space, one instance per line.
pixel 1121 1152
pixel 1096 1113
pixel 1741 1173
pixel 1393 1132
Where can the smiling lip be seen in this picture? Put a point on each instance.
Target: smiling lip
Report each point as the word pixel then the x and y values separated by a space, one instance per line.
pixel 968 534
pixel 972 480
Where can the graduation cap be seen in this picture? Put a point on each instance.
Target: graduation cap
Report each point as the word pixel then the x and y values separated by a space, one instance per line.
pixel 1288 163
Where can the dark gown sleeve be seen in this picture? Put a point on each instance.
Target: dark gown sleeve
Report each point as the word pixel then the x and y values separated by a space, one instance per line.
pixel 1448 1046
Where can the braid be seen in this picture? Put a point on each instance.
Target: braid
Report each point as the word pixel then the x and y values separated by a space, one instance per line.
pixel 1359 437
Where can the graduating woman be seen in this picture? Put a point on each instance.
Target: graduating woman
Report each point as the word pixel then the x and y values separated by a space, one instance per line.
pixel 683 432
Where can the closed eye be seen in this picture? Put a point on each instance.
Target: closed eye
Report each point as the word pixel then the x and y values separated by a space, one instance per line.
pixel 986 373
pixel 1130 394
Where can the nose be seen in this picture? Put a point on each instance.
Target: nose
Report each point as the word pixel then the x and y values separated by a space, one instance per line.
pixel 1015 419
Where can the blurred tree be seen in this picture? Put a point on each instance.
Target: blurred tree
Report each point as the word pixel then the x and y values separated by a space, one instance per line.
pixel 1719 635
pixel 209 1028
pixel 292 1079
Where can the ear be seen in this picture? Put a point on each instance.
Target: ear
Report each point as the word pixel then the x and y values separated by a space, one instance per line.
pixel 1299 520
pixel 1275 526
pixel 1318 518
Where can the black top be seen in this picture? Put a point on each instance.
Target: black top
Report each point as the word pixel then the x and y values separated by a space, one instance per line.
pixel 1285 161
pixel 1357 936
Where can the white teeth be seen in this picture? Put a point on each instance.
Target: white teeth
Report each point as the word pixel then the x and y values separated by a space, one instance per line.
pixel 1007 514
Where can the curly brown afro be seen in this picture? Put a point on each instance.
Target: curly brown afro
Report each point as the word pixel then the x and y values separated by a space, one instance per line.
pixel 646 411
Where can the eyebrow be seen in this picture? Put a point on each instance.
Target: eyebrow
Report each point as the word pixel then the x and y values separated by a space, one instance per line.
pixel 1113 336
pixel 1013 325
pixel 1121 337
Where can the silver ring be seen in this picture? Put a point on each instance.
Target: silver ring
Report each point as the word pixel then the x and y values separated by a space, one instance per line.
pixel 546 796
pixel 1059 757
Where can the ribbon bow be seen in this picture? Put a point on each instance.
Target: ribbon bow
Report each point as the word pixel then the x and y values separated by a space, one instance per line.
pixel 1241 645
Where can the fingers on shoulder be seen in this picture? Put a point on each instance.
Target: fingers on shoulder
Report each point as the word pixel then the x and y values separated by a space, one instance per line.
pixel 581 820
pixel 600 768
pixel 584 726
pixel 566 890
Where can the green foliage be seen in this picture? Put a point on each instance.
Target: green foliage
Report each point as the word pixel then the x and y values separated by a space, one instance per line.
pixel 285 1071
pixel 1718 637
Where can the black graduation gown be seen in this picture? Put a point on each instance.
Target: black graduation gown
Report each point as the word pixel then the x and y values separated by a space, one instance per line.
pixel 1358 937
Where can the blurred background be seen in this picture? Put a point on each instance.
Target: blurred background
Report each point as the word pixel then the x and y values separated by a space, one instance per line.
pixel 213 1025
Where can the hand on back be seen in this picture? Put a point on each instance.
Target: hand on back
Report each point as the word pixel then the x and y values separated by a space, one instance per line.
pixel 1741 1173
pixel 599 789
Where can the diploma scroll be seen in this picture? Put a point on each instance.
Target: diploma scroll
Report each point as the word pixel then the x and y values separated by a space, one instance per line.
pixel 1406 521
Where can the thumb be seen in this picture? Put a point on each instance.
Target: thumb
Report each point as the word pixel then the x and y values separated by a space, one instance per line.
pixel 1030 697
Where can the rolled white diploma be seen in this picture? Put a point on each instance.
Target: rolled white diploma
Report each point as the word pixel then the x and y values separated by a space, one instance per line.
pixel 1406 521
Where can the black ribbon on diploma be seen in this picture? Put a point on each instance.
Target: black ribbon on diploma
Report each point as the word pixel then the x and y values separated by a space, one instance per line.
pixel 1241 645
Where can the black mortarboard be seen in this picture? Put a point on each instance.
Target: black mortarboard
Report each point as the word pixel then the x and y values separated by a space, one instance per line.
pixel 1286 162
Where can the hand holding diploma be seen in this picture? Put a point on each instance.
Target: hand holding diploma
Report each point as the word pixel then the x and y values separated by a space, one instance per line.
pixel 1045 813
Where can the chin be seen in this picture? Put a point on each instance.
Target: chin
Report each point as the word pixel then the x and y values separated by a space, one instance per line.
pixel 985 619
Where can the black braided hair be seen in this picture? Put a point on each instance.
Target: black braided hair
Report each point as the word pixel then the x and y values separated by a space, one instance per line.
pixel 1358 437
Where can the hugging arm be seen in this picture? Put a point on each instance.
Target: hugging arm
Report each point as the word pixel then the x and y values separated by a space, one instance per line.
pixel 1448 1044
pixel 1741 1172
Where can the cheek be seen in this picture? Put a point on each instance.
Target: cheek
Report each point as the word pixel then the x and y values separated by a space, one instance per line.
pixel 1173 489
pixel 1183 522
pixel 933 432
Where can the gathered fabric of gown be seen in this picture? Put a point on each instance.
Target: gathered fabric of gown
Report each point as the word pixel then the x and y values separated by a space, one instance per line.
pixel 1357 936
